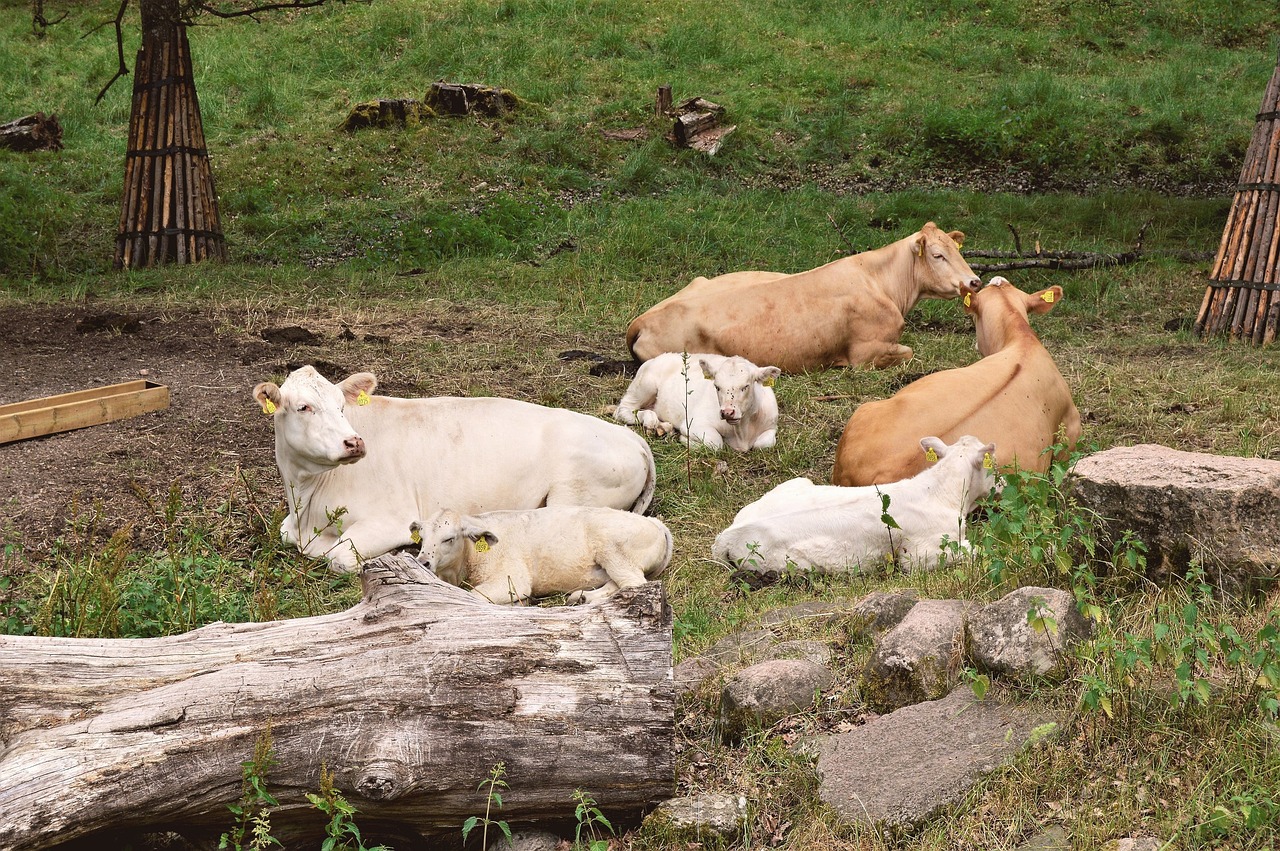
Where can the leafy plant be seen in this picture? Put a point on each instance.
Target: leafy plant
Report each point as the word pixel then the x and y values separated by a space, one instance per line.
pixel 493 801
pixel 253 816
pixel 341 832
pixel 590 819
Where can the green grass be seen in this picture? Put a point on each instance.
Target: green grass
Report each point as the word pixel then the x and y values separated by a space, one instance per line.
pixel 1125 118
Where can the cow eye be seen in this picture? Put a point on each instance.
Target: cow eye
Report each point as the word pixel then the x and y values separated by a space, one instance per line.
pixel 304 409
pixel 450 539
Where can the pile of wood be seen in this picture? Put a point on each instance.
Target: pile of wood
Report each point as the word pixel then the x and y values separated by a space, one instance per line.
pixel 38 132
pixel 385 113
pixel 170 210
pixel 1243 296
pixel 697 123
pixel 467 98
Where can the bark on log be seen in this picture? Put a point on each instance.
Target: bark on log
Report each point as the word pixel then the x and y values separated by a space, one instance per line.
pixel 410 698
pixel 38 132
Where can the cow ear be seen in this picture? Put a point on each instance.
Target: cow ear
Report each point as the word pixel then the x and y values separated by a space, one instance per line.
pixel 267 395
pixel 473 530
pixel 920 240
pixel 934 445
pixel 415 532
pixel 707 372
pixel 362 384
pixel 957 236
pixel 767 374
pixel 1045 300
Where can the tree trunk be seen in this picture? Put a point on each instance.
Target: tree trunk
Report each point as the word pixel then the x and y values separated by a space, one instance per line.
pixel 169 212
pixel 410 697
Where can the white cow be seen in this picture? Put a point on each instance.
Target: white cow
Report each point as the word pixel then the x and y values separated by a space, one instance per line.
pixel 359 468
pixel 513 556
pixel 800 525
pixel 709 399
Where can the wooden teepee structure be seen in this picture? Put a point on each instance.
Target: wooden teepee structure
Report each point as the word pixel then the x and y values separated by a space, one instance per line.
pixel 169 213
pixel 1243 297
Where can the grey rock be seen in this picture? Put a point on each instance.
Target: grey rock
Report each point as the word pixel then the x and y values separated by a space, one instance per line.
pixel 700 817
pixel 739 647
pixel 763 694
pixel 815 612
pixel 905 767
pixel 920 658
pixel 999 638
pixel 1052 838
pixel 814 651
pixel 1134 843
pixel 691 673
pixel 1184 505
pixel 881 611
pixel 526 840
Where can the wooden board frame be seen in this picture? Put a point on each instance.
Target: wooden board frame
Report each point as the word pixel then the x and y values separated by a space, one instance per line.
pixel 67 411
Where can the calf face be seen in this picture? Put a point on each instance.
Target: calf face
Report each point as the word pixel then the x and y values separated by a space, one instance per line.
pixel 737 380
pixel 444 538
pixel 940 271
pixel 311 427
pixel 969 458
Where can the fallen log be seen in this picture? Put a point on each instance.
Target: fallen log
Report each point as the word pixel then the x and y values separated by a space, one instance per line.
pixel 409 698
pixel 37 132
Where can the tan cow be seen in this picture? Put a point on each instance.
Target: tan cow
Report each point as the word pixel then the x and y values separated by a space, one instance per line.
pixel 848 312
pixel 1013 397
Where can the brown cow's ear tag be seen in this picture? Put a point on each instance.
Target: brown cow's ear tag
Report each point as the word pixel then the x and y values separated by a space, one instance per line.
pixel 363 398
pixel 1047 297
pixel 930 455
pixel 987 463
pixel 414 536
pixel 482 545
pixel 968 299
pixel 268 407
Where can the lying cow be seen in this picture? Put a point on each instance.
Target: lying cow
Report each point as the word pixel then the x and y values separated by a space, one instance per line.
pixel 802 526
pixel 846 313
pixel 1013 396
pixel 514 556
pixel 358 468
pixel 707 399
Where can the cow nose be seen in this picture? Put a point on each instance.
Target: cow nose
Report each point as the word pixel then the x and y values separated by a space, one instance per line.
pixel 354 445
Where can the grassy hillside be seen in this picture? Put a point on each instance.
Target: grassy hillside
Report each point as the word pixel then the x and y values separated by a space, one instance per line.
pixel 1080 125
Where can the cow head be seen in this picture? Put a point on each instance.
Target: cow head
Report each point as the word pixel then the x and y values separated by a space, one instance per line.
pixel 312 430
pixel 444 538
pixel 968 460
pixel 737 381
pixel 939 270
pixel 1000 312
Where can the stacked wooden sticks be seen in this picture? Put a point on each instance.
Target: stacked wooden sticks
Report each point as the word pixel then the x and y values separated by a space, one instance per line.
pixel 169 213
pixel 1243 297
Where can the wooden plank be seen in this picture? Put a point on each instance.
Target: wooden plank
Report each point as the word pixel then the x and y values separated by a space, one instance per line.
pixel 53 414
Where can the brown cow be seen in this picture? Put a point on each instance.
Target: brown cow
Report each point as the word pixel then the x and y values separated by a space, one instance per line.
pixel 848 312
pixel 1013 397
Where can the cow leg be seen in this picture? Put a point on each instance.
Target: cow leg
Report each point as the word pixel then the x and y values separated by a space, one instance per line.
pixel 765 440
pixel 879 354
pixel 710 438
pixel 634 408
pixel 504 589
pixel 365 539
pixel 594 595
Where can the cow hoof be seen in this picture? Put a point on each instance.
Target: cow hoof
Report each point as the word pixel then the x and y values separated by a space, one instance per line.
pixel 664 429
pixel 577 598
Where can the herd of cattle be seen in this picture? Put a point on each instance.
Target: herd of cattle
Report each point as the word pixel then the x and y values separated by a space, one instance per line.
pixel 516 501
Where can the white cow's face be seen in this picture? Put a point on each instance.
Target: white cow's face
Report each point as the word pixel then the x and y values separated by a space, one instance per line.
pixel 444 538
pixel 971 461
pixel 737 381
pixel 310 420
pixel 941 271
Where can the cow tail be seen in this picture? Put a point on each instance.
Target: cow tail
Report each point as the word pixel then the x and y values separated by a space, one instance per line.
pixel 671 548
pixel 641 505
pixel 633 334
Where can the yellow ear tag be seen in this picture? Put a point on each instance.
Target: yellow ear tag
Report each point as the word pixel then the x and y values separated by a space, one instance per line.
pixel 363 398
pixel 968 300
pixel 987 463
pixel 930 455
pixel 482 545
pixel 414 536
pixel 768 382
pixel 268 407
pixel 1047 297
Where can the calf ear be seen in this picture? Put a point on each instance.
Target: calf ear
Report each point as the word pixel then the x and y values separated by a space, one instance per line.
pixel 1045 300
pixel 267 395
pixel 362 383
pixel 766 375
pixel 707 372
pixel 957 236
pixel 476 532
pixel 935 444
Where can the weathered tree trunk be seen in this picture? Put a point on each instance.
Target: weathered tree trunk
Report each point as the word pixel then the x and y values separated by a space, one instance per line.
pixel 38 132
pixel 169 212
pixel 410 697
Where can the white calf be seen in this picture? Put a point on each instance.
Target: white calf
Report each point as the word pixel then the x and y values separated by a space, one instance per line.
pixel 709 399
pixel 512 556
pixel 831 529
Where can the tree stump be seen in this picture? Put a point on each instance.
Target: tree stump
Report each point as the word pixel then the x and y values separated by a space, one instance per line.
pixel 410 698
pixel 37 132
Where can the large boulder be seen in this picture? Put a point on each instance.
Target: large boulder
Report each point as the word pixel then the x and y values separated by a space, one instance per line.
pixel 1002 638
pixel 707 817
pixel 904 767
pixel 763 694
pixel 1222 511
pixel 920 658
